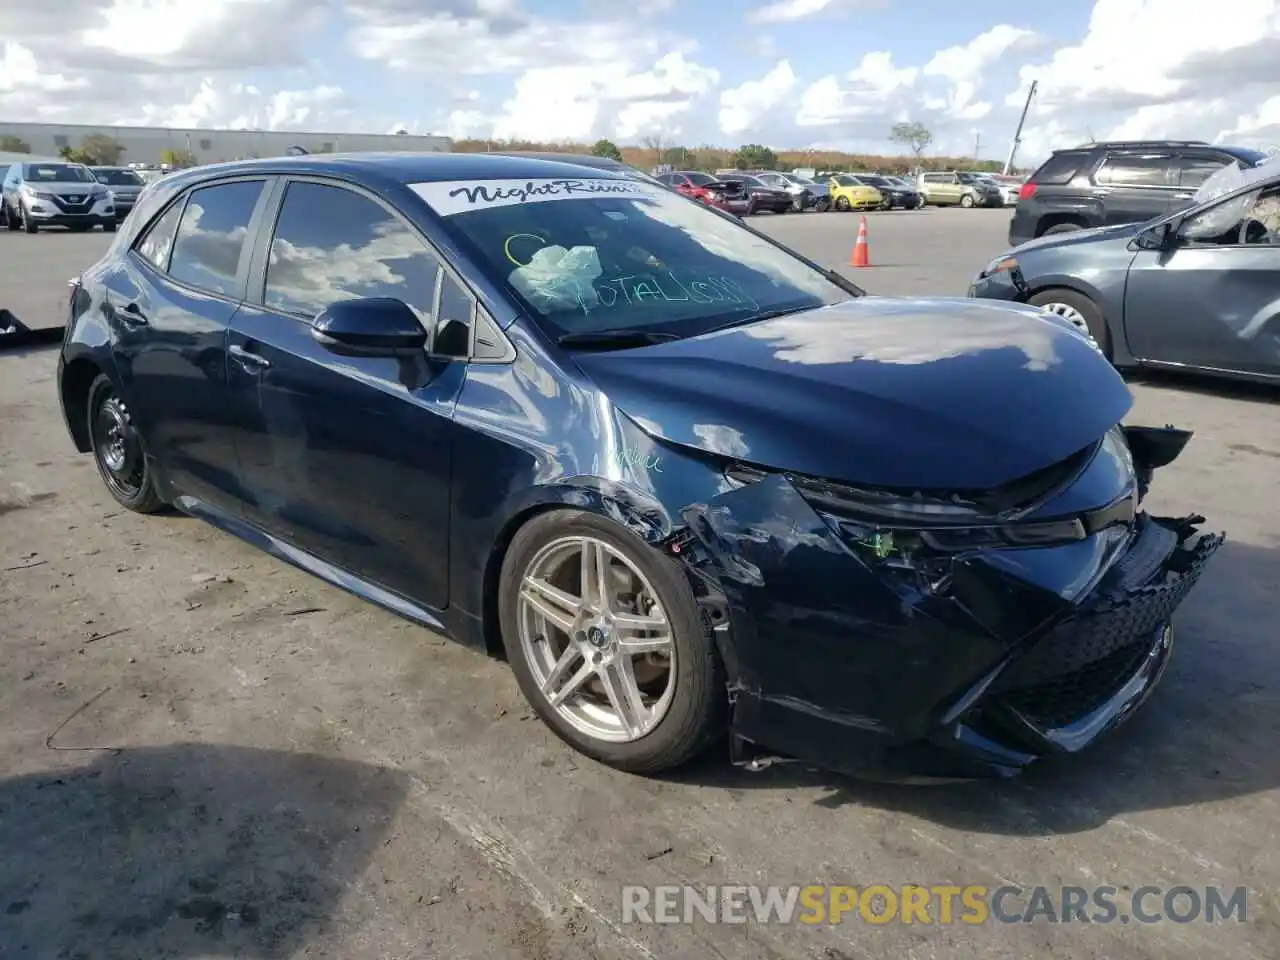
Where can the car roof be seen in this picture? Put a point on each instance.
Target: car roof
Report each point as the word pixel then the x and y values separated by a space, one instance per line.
pixel 400 167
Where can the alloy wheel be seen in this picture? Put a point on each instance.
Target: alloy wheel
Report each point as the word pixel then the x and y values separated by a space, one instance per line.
pixel 598 643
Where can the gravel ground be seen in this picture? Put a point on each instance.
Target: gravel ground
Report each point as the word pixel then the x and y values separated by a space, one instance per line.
pixel 207 753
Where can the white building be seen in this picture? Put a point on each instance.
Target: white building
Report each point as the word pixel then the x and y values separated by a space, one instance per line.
pixel 148 144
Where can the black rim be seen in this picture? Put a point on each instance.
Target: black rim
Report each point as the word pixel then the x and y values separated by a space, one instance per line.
pixel 118 448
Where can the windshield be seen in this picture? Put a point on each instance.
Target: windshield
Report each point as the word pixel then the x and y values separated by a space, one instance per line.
pixel 972 178
pixel 875 181
pixel 700 179
pixel 847 181
pixel 748 180
pixel 117 178
pixel 56 173
pixel 593 256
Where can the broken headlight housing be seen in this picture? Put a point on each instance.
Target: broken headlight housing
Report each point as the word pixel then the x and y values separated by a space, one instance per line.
pixel 892 522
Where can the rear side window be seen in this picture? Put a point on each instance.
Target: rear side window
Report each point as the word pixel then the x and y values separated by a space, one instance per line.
pixel 1193 171
pixel 1136 171
pixel 1059 169
pixel 157 243
pixel 212 234
pixel 333 244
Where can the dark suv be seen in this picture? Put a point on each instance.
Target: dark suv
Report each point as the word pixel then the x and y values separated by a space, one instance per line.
pixel 1103 184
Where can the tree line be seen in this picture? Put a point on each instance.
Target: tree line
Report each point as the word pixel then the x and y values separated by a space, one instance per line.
pixel 656 151
pixel 101 150
pixel 98 150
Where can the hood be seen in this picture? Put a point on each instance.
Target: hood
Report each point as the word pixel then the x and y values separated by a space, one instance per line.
pixel 923 394
pixel 1122 231
pixel 63 188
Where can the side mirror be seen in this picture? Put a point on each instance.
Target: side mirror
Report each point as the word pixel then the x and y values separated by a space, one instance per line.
pixel 1159 237
pixel 372 326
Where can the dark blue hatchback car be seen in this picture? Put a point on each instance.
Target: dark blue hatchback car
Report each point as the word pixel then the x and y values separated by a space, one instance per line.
pixel 691 483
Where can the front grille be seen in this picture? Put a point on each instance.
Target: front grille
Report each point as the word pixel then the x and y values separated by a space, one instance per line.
pixel 1079 664
pixel 1061 702
pixel 68 205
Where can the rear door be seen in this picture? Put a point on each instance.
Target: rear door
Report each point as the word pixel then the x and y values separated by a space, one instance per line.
pixel 168 304
pixel 1133 187
pixel 348 457
pixel 1213 300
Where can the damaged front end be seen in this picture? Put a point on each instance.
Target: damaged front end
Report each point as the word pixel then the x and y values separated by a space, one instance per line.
pixel 910 635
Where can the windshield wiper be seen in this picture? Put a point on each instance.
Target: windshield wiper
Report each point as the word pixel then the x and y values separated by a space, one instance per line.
pixel 613 339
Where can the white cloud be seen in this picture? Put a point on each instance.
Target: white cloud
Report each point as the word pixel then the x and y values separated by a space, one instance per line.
pixel 503 68
pixel 783 11
pixel 965 65
pixel 872 89
pixel 742 107
pixel 1208 72
pixel 582 102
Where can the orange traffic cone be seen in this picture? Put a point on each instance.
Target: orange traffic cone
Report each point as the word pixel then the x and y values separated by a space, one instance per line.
pixel 861 252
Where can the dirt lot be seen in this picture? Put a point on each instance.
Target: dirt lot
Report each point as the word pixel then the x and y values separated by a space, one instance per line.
pixel 207 753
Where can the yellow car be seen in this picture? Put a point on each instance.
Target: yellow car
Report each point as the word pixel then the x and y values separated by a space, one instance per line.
pixel 848 194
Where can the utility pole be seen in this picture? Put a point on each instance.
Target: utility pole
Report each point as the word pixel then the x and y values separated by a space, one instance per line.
pixel 1017 136
pixel 977 145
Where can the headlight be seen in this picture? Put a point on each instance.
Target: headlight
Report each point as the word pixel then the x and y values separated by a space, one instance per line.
pixel 1000 265
pixel 873 506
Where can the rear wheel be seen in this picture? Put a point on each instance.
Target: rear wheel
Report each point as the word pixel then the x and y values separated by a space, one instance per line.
pixel 1079 311
pixel 1062 228
pixel 966 200
pixel 842 204
pixel 10 219
pixel 118 451
pixel 607 643
pixel 823 205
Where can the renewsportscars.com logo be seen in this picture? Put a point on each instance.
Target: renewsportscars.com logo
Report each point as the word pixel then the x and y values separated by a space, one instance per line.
pixel 941 904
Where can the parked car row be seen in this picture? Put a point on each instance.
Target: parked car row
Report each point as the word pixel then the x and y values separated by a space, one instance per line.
pixel 58 194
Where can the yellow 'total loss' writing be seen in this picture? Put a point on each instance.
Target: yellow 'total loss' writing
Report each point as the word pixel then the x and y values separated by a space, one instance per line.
pixel 881 904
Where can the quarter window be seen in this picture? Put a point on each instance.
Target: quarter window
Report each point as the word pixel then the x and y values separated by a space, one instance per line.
pixel 1194 171
pixel 1153 171
pixel 157 243
pixel 212 234
pixel 453 328
pixel 333 244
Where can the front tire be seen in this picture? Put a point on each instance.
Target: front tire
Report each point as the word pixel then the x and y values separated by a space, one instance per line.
pixel 28 225
pixel 966 201
pixel 1078 310
pixel 608 645
pixel 118 452
pixel 842 204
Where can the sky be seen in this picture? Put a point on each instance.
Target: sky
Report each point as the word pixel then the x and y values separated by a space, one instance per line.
pixel 792 74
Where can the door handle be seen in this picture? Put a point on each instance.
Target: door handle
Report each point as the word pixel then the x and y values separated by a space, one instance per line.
pixel 248 359
pixel 131 315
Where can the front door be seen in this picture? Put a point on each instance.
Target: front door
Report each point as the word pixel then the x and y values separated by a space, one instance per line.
pixel 168 305
pixel 1213 299
pixel 348 457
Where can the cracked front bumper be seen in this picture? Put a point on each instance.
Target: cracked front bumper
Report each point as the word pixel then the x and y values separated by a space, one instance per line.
pixel 843 661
